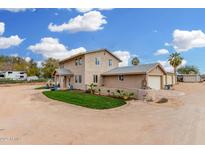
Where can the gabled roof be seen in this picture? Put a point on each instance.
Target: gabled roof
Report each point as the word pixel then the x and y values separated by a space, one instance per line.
pixel 139 69
pixel 89 52
pixel 63 71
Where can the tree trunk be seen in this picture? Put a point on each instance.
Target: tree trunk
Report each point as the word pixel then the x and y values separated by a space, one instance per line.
pixel 175 74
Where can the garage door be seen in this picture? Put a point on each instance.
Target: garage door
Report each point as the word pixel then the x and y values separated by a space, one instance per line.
pixel 154 82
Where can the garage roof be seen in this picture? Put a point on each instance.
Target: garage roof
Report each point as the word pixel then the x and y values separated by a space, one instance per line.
pixel 139 69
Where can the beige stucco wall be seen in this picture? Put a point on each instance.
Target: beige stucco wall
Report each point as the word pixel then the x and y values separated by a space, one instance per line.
pixel 92 69
pixel 130 81
pixel 76 70
pixel 169 79
pixel 158 72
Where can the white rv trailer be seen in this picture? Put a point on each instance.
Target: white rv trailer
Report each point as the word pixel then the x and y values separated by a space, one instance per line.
pixel 13 75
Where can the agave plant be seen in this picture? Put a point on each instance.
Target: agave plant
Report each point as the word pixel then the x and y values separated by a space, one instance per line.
pixel 92 88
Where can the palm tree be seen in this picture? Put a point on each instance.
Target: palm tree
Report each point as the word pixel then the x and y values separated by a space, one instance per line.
pixel 135 61
pixel 175 60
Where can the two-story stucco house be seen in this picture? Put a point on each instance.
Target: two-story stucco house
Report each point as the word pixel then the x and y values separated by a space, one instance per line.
pixel 85 68
pixel 101 67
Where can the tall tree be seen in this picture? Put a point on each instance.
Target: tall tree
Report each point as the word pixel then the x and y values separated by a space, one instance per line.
pixel 135 61
pixel 175 60
pixel 49 67
pixel 188 70
pixel 32 69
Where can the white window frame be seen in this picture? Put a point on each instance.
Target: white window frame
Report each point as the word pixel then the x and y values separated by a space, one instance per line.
pixel 78 78
pixel 80 61
pixel 95 78
pixel 97 61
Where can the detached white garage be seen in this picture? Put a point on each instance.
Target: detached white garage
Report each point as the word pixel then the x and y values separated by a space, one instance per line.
pixel 154 82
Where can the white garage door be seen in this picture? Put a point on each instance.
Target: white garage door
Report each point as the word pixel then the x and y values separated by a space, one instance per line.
pixel 154 82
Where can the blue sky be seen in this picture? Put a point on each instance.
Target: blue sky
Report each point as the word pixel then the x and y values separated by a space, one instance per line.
pixel 150 34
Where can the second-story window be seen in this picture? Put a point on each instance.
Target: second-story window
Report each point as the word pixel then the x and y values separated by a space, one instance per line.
pixel 97 61
pixel 110 62
pixel 95 78
pixel 76 62
pixel 80 61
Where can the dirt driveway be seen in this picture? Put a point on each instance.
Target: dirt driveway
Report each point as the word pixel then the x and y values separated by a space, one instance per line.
pixel 27 117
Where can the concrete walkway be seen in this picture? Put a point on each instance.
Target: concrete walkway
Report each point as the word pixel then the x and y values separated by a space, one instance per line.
pixel 28 117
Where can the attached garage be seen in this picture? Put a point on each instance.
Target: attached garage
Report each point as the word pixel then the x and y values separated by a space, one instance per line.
pixel 154 82
pixel 140 76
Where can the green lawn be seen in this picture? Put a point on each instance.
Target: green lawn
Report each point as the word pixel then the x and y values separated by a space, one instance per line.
pixel 41 87
pixel 85 99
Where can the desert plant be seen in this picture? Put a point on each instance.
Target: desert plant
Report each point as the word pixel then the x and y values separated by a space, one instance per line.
pixel 127 95
pixel 92 88
pixel 123 94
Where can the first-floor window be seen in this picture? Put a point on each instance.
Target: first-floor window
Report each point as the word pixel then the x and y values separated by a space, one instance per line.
pixel 78 79
pixel 121 77
pixel 95 78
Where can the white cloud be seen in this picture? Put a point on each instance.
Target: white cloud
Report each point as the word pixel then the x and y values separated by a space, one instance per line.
pixel 124 56
pixel 168 67
pixel 186 40
pixel 15 10
pixel 2 28
pixel 104 9
pixel 51 47
pixel 167 44
pixel 83 10
pixel 161 52
pixel 7 42
pixel 27 59
pixel 155 31
pixel 91 21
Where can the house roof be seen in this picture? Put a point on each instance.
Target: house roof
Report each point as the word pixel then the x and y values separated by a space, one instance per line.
pixel 89 52
pixel 63 71
pixel 139 69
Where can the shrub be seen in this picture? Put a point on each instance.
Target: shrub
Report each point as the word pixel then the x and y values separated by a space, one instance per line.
pixel 92 88
pixel 122 94
pixel 162 100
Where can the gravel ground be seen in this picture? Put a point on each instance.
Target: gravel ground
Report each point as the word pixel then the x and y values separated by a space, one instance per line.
pixel 28 117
